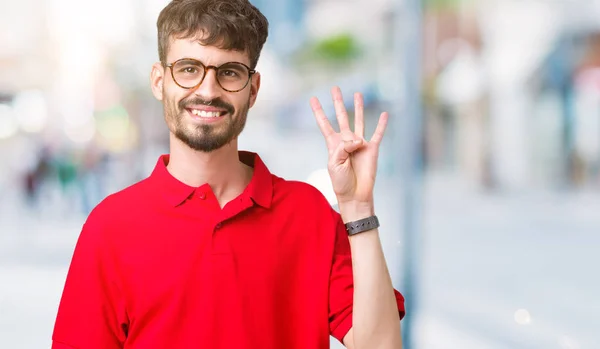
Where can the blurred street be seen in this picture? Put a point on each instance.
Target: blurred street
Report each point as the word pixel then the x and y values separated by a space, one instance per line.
pixel 489 172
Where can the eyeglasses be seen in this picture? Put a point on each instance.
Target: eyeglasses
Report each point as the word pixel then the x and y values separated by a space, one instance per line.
pixel 189 73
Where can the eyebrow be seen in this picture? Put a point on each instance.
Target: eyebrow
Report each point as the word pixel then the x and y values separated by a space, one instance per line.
pixel 184 59
pixel 187 59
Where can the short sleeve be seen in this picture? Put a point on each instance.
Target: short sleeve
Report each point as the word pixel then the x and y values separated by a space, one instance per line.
pixel 341 286
pixel 91 313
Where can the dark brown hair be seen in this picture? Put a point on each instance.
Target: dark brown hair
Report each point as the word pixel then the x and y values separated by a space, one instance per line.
pixel 228 24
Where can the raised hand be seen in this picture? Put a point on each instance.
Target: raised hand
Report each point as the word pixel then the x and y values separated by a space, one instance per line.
pixel 352 160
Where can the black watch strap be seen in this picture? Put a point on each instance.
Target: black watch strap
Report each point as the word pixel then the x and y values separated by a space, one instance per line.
pixel 362 225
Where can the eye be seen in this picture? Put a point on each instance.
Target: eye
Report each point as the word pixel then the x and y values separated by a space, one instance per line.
pixel 189 70
pixel 229 73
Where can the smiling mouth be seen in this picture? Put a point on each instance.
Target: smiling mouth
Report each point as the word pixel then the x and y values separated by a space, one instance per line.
pixel 207 114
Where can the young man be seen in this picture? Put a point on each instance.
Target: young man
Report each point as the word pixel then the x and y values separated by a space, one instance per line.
pixel 212 250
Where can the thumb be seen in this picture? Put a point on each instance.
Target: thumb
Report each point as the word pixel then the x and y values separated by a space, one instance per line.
pixel 351 146
pixel 344 149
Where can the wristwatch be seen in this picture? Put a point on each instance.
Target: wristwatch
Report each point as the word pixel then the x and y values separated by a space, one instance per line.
pixel 362 225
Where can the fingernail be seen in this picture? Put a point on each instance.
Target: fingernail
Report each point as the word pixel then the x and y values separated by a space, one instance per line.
pixel 357 141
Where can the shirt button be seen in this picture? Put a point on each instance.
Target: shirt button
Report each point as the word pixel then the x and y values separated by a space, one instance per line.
pixel 202 196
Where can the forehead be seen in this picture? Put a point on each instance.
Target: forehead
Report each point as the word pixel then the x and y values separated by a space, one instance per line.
pixel 210 55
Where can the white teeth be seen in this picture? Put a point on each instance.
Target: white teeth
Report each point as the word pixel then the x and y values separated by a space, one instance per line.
pixel 206 114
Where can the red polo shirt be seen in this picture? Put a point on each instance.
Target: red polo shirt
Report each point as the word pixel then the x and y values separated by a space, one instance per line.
pixel 160 265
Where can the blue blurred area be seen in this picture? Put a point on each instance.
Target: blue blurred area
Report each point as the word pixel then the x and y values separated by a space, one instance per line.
pixel 508 213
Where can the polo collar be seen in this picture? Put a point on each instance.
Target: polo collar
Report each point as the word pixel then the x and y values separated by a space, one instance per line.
pixel 260 188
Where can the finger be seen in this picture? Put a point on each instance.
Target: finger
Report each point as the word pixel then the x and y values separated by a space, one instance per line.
pixel 344 149
pixel 359 122
pixel 321 118
pixel 340 110
pixel 379 131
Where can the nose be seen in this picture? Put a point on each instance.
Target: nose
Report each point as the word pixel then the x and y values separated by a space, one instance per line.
pixel 209 89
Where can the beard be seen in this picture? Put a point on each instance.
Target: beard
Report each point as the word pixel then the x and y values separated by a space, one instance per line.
pixel 206 137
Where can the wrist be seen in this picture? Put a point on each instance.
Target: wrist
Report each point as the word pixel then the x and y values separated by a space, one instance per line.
pixel 355 210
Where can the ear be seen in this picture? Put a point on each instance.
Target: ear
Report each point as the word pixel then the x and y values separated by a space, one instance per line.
pixel 254 87
pixel 157 77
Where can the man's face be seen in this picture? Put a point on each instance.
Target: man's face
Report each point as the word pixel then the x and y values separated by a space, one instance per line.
pixel 206 117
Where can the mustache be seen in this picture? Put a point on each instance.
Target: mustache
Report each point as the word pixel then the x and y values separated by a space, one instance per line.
pixel 217 103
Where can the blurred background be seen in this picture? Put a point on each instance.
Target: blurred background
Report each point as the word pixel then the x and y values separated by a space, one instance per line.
pixel 489 173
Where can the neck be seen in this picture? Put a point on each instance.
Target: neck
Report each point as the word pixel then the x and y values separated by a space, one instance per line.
pixel 221 169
